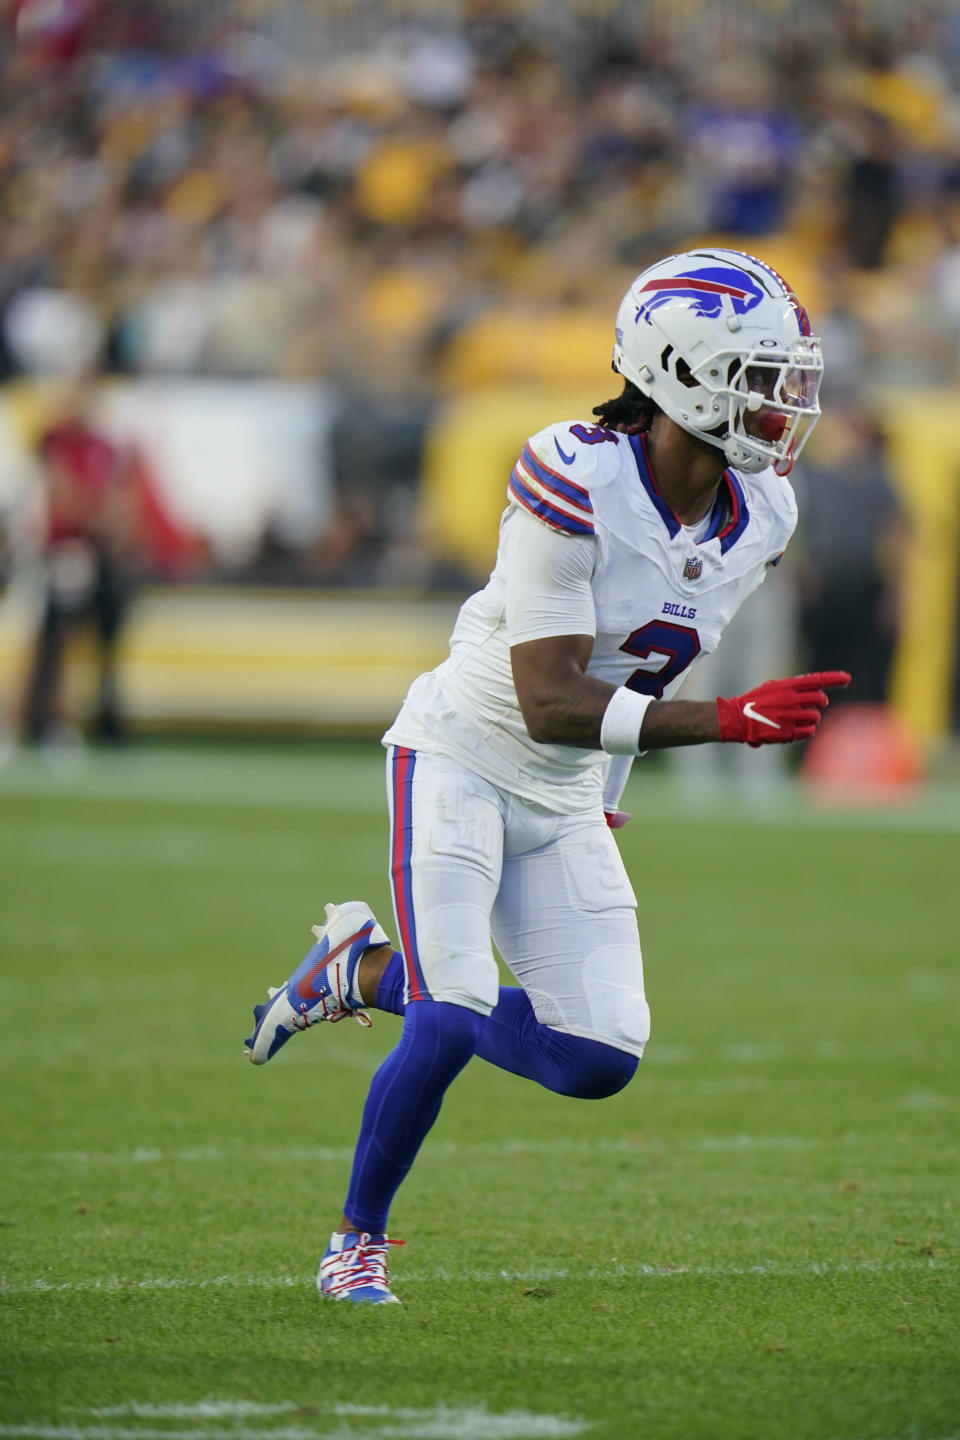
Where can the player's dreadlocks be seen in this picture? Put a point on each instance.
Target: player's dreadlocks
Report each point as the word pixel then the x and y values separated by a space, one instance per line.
pixel 631 411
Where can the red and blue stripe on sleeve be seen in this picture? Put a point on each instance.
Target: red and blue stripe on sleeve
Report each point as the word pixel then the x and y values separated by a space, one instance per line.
pixel 556 500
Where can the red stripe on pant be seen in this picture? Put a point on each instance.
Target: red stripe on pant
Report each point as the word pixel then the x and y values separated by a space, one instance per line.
pixel 404 762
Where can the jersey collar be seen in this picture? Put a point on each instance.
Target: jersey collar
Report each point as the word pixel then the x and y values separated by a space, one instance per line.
pixel 731 501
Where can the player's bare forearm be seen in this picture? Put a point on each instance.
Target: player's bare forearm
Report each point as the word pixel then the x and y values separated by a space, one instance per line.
pixel 560 704
pixel 679 722
pixel 574 718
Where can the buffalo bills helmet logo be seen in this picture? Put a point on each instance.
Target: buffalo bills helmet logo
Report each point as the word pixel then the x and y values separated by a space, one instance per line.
pixel 704 289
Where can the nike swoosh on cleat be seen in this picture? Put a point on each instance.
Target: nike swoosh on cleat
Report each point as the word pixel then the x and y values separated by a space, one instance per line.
pixel 305 983
pixel 567 459
pixel 752 714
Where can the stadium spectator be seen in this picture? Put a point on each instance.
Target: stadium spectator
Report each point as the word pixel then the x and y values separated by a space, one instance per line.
pixel 103 525
pixel 745 149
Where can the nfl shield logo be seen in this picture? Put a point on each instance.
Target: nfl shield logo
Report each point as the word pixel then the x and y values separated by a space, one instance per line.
pixel 691 571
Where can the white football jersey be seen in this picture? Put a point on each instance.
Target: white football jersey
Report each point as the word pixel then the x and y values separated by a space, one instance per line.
pixel 662 596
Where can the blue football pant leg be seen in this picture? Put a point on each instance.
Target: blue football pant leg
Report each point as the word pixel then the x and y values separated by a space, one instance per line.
pixel 403 1102
pixel 512 1039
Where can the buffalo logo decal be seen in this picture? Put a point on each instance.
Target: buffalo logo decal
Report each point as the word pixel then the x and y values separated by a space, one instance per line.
pixel 704 290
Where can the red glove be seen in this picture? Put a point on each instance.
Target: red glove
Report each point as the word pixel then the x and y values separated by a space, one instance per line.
pixel 778 711
pixel 616 819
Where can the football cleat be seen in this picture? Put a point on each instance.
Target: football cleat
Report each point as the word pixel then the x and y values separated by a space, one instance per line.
pixel 323 986
pixel 355 1268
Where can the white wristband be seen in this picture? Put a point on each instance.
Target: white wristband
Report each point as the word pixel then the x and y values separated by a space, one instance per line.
pixel 620 730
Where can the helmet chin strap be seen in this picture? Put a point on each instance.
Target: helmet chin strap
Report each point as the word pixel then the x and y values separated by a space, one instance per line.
pixel 743 459
pixel 746 459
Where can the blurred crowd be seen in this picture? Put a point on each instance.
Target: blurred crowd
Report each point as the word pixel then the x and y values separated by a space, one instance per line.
pixel 407 201
pixel 235 189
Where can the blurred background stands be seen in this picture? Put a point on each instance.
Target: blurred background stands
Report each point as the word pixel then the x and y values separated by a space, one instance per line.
pixel 331 262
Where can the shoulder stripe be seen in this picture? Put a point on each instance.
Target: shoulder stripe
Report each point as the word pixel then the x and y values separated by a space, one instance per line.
pixel 554 480
pixel 553 492
pixel 544 509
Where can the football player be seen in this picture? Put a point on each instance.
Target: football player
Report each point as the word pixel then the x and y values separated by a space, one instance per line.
pixel 626 547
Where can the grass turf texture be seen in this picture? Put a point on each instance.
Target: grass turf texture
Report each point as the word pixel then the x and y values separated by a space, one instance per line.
pixel 758 1238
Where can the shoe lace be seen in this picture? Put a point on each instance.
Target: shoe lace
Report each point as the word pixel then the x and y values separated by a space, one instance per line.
pixel 361 1017
pixel 341 1009
pixel 365 1264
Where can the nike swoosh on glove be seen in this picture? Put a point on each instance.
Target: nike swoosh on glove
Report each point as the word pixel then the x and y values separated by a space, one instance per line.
pixel 779 711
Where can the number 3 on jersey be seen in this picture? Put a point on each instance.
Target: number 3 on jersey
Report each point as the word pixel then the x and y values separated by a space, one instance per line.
pixel 678 645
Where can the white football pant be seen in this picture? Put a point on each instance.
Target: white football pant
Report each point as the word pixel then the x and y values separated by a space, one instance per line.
pixel 470 861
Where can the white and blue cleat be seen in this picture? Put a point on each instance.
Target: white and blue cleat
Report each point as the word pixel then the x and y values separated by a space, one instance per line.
pixel 355 1268
pixel 323 986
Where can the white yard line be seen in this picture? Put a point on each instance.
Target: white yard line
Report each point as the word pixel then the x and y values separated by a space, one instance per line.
pixel 473 1422
pixel 206 1410
pixel 122 1432
pixel 197 1410
pixel 439 1422
pixel 764 1269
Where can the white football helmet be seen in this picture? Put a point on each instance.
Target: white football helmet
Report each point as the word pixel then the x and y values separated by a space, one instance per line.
pixel 715 336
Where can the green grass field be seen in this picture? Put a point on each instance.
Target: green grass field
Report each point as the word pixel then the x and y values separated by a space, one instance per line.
pixel 758 1239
